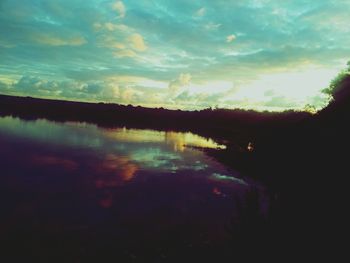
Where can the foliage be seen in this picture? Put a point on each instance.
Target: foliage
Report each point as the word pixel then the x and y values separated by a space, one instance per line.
pixel 336 83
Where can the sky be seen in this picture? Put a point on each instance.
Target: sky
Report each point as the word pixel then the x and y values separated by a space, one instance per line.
pixel 252 54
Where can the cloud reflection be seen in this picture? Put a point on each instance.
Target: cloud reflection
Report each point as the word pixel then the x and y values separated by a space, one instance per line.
pixel 80 175
pixel 114 170
pixel 54 161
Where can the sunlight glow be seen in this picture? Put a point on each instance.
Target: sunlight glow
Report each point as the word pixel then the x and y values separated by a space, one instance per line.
pixel 178 141
pixel 291 89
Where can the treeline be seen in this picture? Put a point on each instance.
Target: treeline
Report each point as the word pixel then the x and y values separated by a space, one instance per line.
pixel 218 123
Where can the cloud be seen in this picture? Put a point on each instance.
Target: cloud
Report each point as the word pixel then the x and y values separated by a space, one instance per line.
pixel 130 90
pixel 109 26
pixel 128 94
pixel 51 40
pixel 123 90
pixel 29 84
pixel 4 87
pixel 125 53
pixel 200 12
pixel 176 85
pixel 127 43
pixel 35 86
pixel 230 38
pixel 212 26
pixel 120 8
pixel 111 42
pixel 137 42
pixel 78 44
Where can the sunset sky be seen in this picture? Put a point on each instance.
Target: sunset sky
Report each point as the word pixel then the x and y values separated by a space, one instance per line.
pixel 254 54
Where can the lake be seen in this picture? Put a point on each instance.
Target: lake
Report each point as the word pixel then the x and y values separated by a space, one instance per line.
pixel 77 188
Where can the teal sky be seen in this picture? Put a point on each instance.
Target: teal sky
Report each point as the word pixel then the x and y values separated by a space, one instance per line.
pixel 256 54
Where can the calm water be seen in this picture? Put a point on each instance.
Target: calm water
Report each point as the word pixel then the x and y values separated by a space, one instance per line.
pixel 92 186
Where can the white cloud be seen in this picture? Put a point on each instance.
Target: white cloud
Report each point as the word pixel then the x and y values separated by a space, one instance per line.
pixel 230 38
pixel 124 45
pixel 137 42
pixel 120 8
pixel 212 26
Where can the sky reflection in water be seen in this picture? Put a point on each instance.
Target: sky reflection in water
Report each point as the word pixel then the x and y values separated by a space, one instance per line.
pixel 77 175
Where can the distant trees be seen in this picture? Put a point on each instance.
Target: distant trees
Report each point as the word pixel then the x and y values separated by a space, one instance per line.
pixel 310 108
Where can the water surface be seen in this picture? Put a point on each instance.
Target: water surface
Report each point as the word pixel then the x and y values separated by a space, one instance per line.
pixel 115 186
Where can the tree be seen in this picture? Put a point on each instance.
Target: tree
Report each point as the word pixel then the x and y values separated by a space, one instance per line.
pixel 310 108
pixel 337 81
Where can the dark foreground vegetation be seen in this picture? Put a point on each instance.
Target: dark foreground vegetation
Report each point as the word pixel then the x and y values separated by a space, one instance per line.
pixel 302 158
